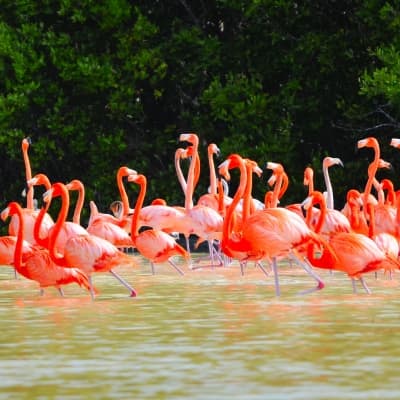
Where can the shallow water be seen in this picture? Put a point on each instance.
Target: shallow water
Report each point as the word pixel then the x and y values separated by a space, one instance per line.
pixel 210 334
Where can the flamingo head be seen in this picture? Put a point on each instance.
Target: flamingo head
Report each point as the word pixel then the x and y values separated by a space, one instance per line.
pixel 75 184
pixel 276 167
pixel 26 142
pixel 233 161
pixel 367 142
pixel 192 138
pixel 12 208
pixel 395 142
pixel 137 178
pixel 329 161
pixel 254 167
pixel 384 164
pixel 116 208
pixel 308 176
pixel 125 171
pixel 213 149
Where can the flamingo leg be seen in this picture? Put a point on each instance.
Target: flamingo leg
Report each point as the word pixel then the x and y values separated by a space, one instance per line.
pixel 153 271
pixel 92 291
pixel 353 282
pixel 259 265
pixel 308 268
pixel 242 265
pixel 364 285
pixel 132 291
pixel 176 267
pixel 276 277
pixel 61 292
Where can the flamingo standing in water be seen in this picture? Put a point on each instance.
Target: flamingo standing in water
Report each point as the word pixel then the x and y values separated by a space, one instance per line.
pixel 203 221
pixel 154 244
pixel 34 261
pixel 267 234
pixel 349 252
pixel 87 252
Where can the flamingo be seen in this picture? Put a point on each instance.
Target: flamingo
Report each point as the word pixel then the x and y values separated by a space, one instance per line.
pixel 203 221
pixel 267 234
pixel 34 262
pixel 349 252
pixel 233 220
pixel 154 244
pixel 29 213
pixel 88 252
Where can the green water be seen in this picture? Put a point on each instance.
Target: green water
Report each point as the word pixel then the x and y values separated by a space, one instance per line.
pixel 211 334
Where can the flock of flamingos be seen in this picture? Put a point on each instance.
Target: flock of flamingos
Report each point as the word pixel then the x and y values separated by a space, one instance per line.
pixel 361 238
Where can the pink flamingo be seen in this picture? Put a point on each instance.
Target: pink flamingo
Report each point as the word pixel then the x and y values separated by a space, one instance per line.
pixel 268 234
pixel 203 221
pixel 349 252
pixel 34 262
pixel 88 252
pixel 154 244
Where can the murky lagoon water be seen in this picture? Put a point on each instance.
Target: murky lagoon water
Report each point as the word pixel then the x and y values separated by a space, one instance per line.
pixel 211 334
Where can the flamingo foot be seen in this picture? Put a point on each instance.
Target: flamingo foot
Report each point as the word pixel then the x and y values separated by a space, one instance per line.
pixel 320 286
pixel 133 293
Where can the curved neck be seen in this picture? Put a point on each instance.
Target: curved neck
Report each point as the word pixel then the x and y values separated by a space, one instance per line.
pixel 20 238
pixel 28 173
pixel 122 193
pixel 326 257
pixel 371 214
pixel 191 176
pixel 277 190
pixel 329 190
pixel 178 169
pixel 62 217
pixel 79 203
pixel 228 221
pixel 373 167
pixel 309 180
pixel 247 199
pixel 141 180
pixel 317 198
pixel 44 242
pixel 213 177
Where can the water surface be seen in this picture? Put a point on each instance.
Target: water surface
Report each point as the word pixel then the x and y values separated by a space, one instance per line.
pixel 210 334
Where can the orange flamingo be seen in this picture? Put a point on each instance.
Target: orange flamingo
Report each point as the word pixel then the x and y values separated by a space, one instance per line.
pixel 268 234
pixel 156 245
pixel 88 252
pixel 349 252
pixel 233 221
pixel 34 262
